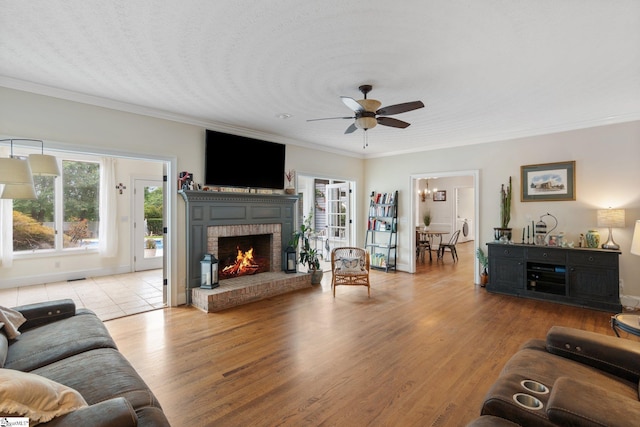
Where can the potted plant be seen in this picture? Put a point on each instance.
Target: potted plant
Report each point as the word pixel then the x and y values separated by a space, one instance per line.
pixel 308 255
pixel 503 232
pixel 484 263
pixel 150 247
pixel 427 220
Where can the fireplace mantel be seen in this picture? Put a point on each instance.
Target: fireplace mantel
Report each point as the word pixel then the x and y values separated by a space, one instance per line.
pixel 206 209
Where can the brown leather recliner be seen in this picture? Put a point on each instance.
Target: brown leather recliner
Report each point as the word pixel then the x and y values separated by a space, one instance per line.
pixel 573 378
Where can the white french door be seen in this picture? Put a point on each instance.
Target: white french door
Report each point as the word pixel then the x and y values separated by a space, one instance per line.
pixel 338 205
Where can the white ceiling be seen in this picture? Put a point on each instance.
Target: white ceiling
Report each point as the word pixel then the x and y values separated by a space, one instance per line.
pixel 486 70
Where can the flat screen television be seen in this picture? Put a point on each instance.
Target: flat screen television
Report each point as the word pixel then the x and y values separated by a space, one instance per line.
pixel 239 161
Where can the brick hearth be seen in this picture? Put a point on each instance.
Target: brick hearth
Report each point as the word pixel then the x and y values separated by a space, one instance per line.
pixel 246 289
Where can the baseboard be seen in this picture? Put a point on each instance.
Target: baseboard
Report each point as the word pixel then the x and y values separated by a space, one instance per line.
pixel 62 276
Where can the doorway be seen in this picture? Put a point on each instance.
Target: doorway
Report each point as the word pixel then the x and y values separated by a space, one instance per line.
pixel 148 224
pixel 330 202
pixel 461 190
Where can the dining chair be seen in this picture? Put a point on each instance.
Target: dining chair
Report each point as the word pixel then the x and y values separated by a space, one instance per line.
pixel 422 245
pixel 451 245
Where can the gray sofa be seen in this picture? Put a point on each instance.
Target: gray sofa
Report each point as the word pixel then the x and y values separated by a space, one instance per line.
pixel 573 378
pixel 74 348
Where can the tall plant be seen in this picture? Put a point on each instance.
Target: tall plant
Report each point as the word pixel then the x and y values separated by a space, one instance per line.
pixel 308 255
pixel 505 205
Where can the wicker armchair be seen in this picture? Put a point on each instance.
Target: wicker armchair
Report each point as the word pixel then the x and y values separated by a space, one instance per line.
pixel 350 266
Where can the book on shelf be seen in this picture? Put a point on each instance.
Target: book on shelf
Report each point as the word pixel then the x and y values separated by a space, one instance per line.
pixel 384 198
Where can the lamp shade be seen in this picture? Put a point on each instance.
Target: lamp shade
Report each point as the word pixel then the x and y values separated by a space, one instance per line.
pixel 44 164
pixel 366 122
pixel 18 191
pixel 15 170
pixel 635 242
pixel 611 218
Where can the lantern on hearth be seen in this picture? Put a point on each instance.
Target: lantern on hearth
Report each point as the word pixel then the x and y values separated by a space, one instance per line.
pixel 209 272
pixel 290 260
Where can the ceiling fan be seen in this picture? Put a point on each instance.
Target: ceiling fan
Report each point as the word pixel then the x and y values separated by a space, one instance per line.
pixel 368 113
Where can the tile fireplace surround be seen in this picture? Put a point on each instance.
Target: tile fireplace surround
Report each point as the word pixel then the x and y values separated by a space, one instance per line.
pixel 211 215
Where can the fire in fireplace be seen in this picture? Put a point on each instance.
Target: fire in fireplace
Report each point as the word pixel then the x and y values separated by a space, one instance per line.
pixel 244 255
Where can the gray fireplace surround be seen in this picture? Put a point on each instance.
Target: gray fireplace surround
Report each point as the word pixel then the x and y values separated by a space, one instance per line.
pixel 205 209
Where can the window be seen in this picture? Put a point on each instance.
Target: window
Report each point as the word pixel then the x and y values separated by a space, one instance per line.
pixel 69 203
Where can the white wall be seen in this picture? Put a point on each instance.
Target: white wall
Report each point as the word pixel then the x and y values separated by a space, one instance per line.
pixel 607 174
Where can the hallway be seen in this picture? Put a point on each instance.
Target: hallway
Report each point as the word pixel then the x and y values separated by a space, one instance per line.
pixel 109 297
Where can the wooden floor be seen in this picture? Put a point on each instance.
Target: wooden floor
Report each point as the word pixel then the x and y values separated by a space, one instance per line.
pixel 422 351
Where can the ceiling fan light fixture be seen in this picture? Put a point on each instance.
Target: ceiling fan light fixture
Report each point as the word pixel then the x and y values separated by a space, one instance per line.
pixel 366 122
pixel 370 105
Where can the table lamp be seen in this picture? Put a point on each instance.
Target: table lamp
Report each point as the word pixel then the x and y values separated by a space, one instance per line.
pixel 610 218
pixel 635 242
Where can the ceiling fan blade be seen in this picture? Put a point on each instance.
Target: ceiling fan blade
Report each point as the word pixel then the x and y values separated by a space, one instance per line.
pixel 330 118
pixel 352 104
pixel 351 129
pixel 395 123
pixel 399 108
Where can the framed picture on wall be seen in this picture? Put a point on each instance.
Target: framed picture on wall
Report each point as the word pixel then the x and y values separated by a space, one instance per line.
pixel 440 196
pixel 548 182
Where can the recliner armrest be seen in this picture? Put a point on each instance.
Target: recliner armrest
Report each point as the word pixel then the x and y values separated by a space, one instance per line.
pixel 113 412
pixel 577 403
pixel 617 356
pixel 42 313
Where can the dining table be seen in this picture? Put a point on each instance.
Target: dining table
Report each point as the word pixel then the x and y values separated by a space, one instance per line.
pixel 431 235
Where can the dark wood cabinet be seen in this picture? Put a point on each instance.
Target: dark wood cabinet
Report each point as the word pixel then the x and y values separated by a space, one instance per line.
pixel 575 276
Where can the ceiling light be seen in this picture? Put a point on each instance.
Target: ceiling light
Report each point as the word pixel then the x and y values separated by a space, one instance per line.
pixel 283 116
pixel 366 122
pixel 39 164
pixel 43 164
pixel 15 170
pixel 18 191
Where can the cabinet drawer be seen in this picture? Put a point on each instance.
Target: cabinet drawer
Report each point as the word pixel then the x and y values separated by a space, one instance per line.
pixel 596 259
pixel 546 255
pixel 506 251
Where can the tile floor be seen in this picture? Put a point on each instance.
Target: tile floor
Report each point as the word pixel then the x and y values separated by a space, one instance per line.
pixel 109 297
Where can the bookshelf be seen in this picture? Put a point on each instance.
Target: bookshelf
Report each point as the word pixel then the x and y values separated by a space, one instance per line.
pixel 382 230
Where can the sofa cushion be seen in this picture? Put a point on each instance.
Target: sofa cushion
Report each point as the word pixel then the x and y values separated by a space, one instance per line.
pixel 23 394
pixel 99 375
pixel 4 348
pixel 54 341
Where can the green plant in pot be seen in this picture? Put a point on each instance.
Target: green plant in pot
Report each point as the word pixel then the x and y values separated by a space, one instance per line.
pixel 503 233
pixel 150 243
pixel 484 263
pixel 308 255
pixel 150 246
pixel 426 219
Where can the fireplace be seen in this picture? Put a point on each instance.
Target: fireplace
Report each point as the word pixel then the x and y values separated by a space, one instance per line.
pixel 213 217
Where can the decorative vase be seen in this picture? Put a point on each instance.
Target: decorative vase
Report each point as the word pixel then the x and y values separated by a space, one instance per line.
pixel 290 190
pixel 316 277
pixel 593 238
pixel 484 278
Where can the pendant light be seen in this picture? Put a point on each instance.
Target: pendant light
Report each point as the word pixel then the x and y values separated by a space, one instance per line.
pixel 43 164
pixel 18 191
pixel 20 170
